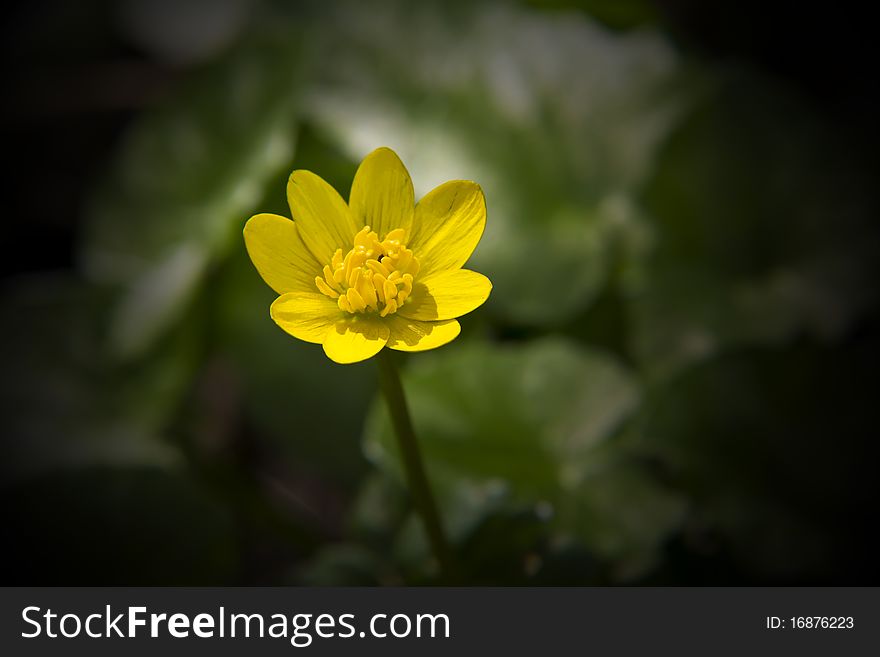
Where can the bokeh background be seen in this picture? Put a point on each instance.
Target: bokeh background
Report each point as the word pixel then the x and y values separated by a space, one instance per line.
pixel 672 383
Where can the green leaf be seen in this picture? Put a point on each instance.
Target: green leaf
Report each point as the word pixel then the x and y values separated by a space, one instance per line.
pixel 561 134
pixel 532 425
pixel 624 514
pixel 185 180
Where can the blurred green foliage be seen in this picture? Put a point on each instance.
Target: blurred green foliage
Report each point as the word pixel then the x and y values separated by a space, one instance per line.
pixel 184 177
pixel 676 251
pixel 533 427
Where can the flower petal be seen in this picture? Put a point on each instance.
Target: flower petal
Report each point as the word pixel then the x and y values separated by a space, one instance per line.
pixel 305 315
pixel 382 194
pixel 279 254
pixel 354 340
pixel 446 295
pixel 414 335
pixel 324 220
pixel 448 224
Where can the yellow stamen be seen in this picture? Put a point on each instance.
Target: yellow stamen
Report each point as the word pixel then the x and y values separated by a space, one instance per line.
pixel 354 277
pixel 378 267
pixel 375 276
pixel 379 284
pixel 366 290
pixel 407 288
pixel 355 300
pixel 326 289
pixel 337 259
pixel 390 291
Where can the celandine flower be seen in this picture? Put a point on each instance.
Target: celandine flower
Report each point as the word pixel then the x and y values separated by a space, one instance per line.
pixel 378 271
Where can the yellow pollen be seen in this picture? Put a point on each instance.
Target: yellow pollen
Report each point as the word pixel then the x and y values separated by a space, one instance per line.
pixel 373 277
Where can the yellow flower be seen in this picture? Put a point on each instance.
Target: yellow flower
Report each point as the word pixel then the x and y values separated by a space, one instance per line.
pixel 378 271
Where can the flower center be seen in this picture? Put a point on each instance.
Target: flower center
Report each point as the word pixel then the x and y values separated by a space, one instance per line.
pixel 373 277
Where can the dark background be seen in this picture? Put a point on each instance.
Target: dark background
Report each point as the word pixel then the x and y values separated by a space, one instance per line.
pixel 734 351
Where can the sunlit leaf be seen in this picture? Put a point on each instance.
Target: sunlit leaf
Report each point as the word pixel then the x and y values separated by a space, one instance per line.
pixel 556 117
pixel 186 177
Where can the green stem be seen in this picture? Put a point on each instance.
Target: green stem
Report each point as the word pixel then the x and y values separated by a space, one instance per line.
pixel 413 465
